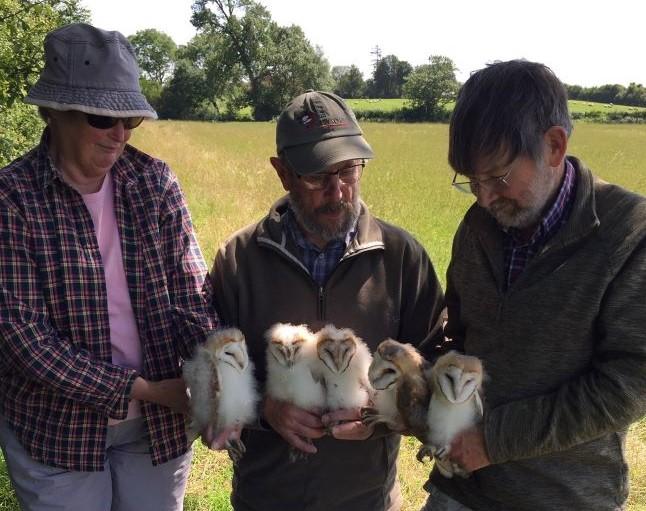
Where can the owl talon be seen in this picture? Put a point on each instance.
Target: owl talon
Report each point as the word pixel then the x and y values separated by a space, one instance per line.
pixel 236 449
pixel 424 452
pixel 442 453
pixel 296 455
pixel 369 416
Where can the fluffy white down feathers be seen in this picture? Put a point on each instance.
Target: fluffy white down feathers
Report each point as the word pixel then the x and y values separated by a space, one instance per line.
pixel 344 360
pixel 291 359
pixel 455 406
pixel 221 384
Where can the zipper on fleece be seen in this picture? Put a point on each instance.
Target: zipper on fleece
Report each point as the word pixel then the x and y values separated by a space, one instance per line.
pixel 320 309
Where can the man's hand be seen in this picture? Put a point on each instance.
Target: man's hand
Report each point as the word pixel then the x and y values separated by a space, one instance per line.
pixel 346 424
pixel 297 426
pixel 221 440
pixel 468 450
pixel 170 393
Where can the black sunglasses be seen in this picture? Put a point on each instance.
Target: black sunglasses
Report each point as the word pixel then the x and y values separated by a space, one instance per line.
pixel 103 122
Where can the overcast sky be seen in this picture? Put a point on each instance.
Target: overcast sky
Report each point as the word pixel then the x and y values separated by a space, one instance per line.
pixel 584 42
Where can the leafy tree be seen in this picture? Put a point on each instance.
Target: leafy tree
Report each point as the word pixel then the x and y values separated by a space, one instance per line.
pixel 430 86
pixel 155 53
pixel 293 68
pixel 389 77
pixel 205 81
pixel 184 93
pixel 274 60
pixel 23 26
pixel 349 83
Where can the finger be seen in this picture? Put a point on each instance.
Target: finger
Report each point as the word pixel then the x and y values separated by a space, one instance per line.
pixel 306 431
pixel 354 430
pixel 344 414
pixel 300 443
pixel 220 441
pixel 306 418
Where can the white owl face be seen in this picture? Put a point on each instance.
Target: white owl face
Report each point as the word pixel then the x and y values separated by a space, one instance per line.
pixel 458 376
pixel 336 347
pixel 286 343
pixel 382 373
pixel 229 347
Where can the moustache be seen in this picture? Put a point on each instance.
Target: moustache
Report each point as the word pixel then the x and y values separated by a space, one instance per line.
pixel 334 207
pixel 501 204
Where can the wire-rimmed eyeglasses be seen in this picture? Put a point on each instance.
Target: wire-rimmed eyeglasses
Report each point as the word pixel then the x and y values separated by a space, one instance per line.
pixel 348 175
pixel 473 185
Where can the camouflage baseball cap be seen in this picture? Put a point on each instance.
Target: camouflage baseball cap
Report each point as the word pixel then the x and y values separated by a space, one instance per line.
pixel 316 130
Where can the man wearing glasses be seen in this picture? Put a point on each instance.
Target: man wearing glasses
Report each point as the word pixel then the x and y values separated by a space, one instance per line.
pixel 320 257
pixel 546 285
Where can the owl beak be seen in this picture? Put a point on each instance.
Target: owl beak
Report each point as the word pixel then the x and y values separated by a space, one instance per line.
pixel 238 360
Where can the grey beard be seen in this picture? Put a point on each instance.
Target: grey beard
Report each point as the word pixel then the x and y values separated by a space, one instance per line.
pixel 327 234
pixel 518 218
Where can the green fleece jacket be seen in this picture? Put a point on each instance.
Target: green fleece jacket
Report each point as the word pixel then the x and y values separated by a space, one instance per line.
pixel 384 286
pixel 565 351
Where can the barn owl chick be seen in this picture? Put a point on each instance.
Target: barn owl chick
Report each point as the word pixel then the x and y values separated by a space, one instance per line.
pixel 222 387
pixel 455 406
pixel 291 357
pixel 400 377
pixel 344 360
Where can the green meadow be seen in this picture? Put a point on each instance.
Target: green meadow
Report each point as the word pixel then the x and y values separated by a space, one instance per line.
pixel 225 173
pixel 576 107
pixel 392 105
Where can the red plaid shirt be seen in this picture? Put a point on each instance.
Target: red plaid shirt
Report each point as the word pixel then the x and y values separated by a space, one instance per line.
pixel 58 385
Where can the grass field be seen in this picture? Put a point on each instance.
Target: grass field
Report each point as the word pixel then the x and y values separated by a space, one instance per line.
pixel 396 104
pixel 226 175
pixel 390 105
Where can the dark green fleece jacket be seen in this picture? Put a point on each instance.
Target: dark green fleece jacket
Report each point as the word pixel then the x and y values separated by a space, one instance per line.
pixel 565 349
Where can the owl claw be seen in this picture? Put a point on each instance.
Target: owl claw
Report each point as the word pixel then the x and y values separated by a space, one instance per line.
pixel 442 452
pixel 425 451
pixel 236 449
pixel 369 415
pixel 296 455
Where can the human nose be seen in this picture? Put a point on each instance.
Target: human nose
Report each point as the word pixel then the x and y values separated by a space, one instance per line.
pixel 119 132
pixel 333 186
pixel 485 195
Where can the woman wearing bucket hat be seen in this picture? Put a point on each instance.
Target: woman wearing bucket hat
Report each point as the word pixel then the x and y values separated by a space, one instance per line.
pixel 103 291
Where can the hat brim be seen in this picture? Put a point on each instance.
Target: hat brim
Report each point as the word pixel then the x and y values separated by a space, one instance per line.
pixel 91 101
pixel 317 156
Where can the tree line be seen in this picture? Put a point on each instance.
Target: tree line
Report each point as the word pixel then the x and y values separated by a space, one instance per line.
pixel 240 59
pixel 633 95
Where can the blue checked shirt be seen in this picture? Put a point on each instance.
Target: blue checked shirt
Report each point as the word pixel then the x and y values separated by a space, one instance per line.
pixel 518 253
pixel 320 263
pixel 58 385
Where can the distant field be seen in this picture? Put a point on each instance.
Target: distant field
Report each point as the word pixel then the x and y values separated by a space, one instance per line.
pixel 393 105
pixel 225 173
pixel 389 105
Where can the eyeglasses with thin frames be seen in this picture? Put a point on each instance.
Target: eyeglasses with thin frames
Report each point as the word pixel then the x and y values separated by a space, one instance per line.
pixel 347 175
pixel 491 183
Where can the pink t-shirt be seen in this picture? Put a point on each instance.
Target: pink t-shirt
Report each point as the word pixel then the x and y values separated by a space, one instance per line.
pixel 124 336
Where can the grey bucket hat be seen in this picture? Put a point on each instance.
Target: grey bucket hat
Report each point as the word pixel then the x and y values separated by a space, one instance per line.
pixel 90 70
pixel 316 130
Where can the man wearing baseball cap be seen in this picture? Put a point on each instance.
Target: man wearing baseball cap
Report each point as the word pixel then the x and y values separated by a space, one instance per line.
pixel 319 257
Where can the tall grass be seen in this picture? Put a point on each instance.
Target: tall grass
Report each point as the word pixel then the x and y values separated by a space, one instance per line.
pixel 225 172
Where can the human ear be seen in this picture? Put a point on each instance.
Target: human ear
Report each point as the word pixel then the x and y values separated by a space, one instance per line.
pixel 284 174
pixel 555 146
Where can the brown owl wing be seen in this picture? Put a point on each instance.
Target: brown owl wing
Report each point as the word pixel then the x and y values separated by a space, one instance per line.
pixel 413 398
